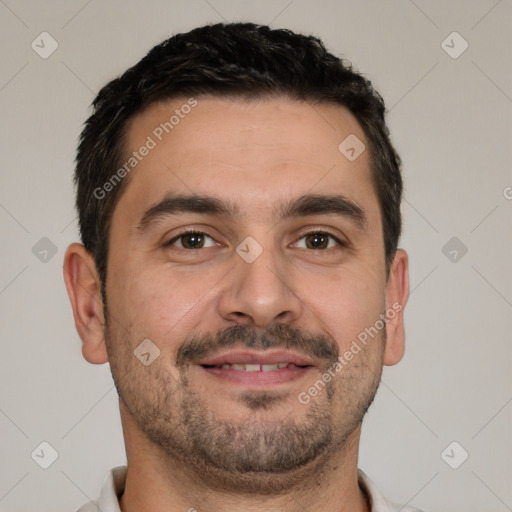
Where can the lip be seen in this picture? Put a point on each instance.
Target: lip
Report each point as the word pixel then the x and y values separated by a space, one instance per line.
pixel 237 356
pixel 254 380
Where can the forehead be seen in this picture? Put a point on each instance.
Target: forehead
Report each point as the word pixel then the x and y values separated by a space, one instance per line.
pixel 245 150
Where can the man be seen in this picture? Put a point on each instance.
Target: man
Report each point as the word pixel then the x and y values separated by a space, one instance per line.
pixel 239 207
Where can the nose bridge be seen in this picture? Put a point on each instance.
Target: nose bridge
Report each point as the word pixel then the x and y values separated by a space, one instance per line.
pixel 259 290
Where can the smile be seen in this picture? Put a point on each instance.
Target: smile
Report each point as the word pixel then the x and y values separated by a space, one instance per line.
pixel 254 367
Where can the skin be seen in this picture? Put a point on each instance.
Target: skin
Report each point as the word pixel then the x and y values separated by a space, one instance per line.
pixel 255 154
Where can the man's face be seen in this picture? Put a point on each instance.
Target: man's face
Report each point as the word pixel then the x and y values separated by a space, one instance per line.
pixel 292 272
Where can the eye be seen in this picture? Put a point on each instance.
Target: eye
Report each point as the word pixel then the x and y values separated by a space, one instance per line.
pixel 192 240
pixel 318 240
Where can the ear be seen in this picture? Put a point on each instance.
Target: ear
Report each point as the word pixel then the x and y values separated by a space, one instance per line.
pixel 84 291
pixel 397 293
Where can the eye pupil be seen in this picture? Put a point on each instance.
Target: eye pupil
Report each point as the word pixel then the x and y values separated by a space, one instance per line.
pixel 193 240
pixel 317 241
pixel 313 240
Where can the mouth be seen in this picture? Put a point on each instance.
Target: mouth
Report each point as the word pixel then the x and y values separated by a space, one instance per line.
pixel 254 369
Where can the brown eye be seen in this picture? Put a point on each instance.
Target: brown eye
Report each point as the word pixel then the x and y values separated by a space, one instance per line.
pixel 192 240
pixel 318 241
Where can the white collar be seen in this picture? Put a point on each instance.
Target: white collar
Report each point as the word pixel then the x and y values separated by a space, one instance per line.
pixel 114 487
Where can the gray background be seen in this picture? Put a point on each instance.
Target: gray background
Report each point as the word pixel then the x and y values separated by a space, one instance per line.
pixel 451 121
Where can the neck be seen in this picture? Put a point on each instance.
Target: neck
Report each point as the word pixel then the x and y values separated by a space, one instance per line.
pixel 158 482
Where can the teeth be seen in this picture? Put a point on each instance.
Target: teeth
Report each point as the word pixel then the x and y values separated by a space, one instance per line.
pixel 256 367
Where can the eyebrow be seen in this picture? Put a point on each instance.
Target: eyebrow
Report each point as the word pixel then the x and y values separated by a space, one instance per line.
pixel 306 205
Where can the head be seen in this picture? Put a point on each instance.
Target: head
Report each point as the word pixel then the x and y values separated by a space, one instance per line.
pixel 219 210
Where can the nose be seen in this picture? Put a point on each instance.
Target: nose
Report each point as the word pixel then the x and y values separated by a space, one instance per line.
pixel 260 293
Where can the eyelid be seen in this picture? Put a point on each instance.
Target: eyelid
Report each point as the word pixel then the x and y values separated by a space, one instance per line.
pixel 320 229
pixel 187 231
pixel 340 240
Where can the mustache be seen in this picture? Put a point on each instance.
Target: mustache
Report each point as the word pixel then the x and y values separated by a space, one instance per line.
pixel 198 347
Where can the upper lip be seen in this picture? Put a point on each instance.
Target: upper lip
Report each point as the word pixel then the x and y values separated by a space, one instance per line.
pixel 237 356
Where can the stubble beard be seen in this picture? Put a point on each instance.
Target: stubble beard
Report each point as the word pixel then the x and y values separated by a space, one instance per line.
pixel 255 455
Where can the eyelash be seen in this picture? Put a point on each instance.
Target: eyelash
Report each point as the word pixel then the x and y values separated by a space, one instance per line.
pixel 339 242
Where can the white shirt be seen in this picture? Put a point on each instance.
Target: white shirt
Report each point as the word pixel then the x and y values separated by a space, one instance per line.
pixel 114 487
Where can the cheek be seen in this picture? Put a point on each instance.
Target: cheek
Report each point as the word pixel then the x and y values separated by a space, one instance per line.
pixel 346 303
pixel 163 302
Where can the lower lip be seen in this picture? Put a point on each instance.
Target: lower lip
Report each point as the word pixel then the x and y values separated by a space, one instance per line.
pixel 258 379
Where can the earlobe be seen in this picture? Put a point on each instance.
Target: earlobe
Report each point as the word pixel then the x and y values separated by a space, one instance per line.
pixel 84 291
pixel 397 293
